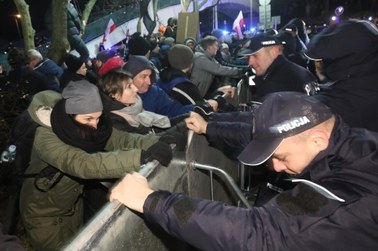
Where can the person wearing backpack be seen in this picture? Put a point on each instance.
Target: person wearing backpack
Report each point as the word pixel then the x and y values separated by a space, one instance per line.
pixel 75 143
pixel 174 80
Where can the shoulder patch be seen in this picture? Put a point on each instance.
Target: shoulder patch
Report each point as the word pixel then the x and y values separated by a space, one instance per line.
pixel 301 200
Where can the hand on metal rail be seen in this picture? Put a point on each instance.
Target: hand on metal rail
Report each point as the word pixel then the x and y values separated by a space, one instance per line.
pixel 132 191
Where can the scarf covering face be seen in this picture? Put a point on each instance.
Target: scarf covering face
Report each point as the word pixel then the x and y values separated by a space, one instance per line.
pixel 81 136
pixel 135 115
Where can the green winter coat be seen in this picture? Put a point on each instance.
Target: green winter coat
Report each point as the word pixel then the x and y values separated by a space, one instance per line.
pixel 53 216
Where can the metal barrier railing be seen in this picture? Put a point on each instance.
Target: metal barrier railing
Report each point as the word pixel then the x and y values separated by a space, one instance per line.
pixel 98 223
pixel 227 177
pixel 115 227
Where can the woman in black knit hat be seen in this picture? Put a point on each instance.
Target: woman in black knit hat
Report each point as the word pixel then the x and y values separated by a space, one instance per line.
pixel 76 70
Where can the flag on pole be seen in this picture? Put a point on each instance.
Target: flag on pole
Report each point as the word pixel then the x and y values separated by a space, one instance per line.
pixel 107 39
pixel 239 24
pixel 111 27
pixel 147 13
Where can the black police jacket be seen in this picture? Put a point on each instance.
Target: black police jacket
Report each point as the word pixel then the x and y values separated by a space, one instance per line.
pixel 297 219
pixel 284 75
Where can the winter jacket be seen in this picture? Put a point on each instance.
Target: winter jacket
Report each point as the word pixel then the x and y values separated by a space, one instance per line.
pixel 284 75
pixel 232 128
pixel 68 75
pixel 157 101
pixel 297 219
pixel 131 118
pixel 29 80
pixel 53 216
pixel 74 30
pixel 74 26
pixel 350 61
pixel 205 68
pixel 180 88
pixel 52 71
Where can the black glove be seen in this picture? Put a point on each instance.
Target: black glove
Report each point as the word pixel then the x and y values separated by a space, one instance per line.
pixel 159 151
pixel 177 135
pixel 221 101
pixel 175 120
pixel 205 110
pixel 168 138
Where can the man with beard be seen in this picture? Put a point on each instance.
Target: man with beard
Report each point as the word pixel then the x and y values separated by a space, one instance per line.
pixel 74 143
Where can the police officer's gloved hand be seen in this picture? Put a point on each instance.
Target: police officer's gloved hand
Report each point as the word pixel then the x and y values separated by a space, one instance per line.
pixel 159 151
pixel 177 119
pixel 221 101
pixel 204 109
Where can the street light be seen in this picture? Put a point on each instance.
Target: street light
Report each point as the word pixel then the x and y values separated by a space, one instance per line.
pixel 16 17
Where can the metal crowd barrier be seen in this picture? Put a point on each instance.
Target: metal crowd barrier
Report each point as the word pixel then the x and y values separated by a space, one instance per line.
pixel 117 228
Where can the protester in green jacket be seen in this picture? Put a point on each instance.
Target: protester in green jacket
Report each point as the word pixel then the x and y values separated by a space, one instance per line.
pixel 75 142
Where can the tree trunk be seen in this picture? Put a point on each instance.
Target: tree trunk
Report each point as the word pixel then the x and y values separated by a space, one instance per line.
pixel 59 43
pixel 185 5
pixel 87 11
pixel 28 32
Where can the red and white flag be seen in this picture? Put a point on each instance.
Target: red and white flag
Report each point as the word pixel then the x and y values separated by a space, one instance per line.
pixel 109 29
pixel 239 24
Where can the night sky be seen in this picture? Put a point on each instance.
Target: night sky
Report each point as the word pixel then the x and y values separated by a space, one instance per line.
pixel 8 28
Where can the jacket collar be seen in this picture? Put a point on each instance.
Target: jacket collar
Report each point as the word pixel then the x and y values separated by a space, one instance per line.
pixel 280 59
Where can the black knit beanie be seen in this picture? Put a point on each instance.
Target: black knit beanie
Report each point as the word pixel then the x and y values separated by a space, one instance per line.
pixel 138 46
pixel 73 63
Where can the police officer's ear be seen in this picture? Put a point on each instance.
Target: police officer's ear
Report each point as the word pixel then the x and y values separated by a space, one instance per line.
pixel 275 50
pixel 319 139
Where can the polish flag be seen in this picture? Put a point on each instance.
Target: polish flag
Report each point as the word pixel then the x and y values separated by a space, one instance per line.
pixel 111 27
pixel 239 24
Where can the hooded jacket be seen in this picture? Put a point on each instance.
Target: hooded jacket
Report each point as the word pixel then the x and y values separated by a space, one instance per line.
pixel 349 53
pixel 53 216
pixel 297 219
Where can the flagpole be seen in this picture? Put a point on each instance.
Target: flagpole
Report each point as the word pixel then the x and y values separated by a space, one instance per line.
pixel 215 21
pixel 250 13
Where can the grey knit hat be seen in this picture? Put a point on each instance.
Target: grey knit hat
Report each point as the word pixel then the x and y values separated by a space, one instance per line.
pixel 136 64
pixel 180 56
pixel 82 97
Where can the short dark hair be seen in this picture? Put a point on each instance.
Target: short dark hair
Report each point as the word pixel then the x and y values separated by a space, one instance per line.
pixel 172 21
pixel 208 41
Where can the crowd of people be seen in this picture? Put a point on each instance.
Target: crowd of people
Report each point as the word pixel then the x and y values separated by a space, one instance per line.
pixel 99 119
